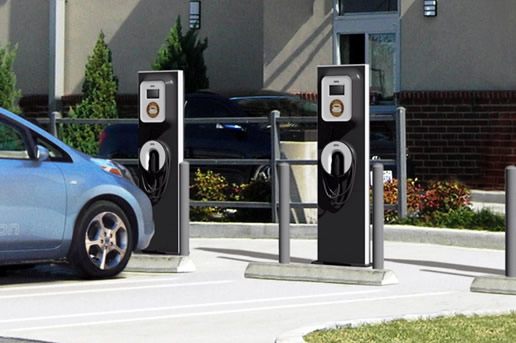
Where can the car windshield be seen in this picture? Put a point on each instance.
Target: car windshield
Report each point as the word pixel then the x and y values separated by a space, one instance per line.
pixel 288 106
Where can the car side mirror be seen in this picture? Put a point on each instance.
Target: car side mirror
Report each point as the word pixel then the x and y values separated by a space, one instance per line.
pixel 42 153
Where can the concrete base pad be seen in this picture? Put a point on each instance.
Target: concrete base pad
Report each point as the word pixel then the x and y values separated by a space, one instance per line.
pixel 320 273
pixel 494 284
pixel 152 263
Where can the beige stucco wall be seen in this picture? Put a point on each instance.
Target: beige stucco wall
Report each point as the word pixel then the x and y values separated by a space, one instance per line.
pixel 297 38
pixel 25 22
pixel 468 46
pixel 251 44
pixel 134 30
pixel 234 56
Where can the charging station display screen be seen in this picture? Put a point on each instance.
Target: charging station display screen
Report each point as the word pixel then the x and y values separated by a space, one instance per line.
pixel 337 90
pixel 152 93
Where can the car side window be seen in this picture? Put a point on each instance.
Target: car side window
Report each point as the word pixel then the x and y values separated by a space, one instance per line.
pixel 55 154
pixel 207 108
pixel 12 144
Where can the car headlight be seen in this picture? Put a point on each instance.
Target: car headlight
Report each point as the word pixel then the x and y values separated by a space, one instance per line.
pixel 114 168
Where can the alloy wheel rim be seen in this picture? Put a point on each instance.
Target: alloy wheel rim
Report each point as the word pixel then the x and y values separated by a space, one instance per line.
pixel 106 240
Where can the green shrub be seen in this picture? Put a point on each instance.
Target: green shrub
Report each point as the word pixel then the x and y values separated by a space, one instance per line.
pixel 184 52
pixel 463 218
pixel 211 186
pixel 258 190
pixel 9 95
pixel 99 91
pixel 414 195
pixel 440 204
pixel 444 196
pixel 425 200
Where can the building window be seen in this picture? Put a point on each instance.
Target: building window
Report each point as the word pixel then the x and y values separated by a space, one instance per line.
pixel 379 51
pixel 195 14
pixel 367 6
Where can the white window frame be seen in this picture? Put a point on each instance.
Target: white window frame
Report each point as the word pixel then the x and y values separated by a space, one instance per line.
pixel 367 24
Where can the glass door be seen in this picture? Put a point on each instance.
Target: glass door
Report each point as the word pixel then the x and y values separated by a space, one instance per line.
pixel 382 62
pixel 368 32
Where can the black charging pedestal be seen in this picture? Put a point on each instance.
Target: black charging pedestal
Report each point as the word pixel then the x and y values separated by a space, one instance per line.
pixel 161 103
pixel 343 168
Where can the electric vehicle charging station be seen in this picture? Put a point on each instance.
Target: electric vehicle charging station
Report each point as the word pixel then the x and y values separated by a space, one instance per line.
pixel 343 168
pixel 160 139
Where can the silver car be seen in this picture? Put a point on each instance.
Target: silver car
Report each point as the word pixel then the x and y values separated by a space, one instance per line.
pixel 59 204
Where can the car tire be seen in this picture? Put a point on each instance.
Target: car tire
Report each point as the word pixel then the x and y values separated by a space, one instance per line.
pixel 102 241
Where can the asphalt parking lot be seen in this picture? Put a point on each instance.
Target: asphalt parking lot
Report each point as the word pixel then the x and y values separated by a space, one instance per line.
pixel 217 304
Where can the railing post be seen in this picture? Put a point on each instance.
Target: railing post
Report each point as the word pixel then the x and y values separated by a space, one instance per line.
pixel 275 151
pixel 510 221
pixel 378 216
pixel 52 126
pixel 401 163
pixel 184 208
pixel 284 213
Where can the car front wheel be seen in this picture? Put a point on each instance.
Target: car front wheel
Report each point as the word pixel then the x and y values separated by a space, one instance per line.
pixel 102 241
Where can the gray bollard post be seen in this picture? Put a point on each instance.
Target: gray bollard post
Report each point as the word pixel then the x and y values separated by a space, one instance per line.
pixel 52 126
pixel 378 216
pixel 184 208
pixel 284 213
pixel 510 221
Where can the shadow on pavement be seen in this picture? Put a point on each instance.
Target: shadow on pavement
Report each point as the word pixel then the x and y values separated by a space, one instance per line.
pixel 254 254
pixel 461 267
pixel 25 274
pixel 19 340
pixel 446 273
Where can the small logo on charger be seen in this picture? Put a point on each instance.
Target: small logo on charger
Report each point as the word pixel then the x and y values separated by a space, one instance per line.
pixel 336 108
pixel 152 109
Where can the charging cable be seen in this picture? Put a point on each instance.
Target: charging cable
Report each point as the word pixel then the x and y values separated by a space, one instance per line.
pixel 155 174
pixel 338 181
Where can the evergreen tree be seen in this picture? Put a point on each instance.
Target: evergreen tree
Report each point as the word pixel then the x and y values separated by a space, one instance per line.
pixel 9 95
pixel 184 52
pixel 99 100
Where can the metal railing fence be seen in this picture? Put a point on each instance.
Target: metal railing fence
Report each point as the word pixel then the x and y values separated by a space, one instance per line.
pixel 377 114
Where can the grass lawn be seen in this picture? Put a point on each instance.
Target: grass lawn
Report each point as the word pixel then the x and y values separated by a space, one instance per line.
pixel 481 329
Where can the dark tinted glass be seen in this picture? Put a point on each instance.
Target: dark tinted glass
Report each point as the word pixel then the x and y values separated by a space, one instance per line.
pixel 12 145
pixel 361 6
pixel 207 108
pixel 336 90
pixel 152 93
pixel 288 106
pixel 56 154
pixel 352 49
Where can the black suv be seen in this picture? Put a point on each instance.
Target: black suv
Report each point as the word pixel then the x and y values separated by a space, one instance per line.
pixel 223 141
pixel 234 141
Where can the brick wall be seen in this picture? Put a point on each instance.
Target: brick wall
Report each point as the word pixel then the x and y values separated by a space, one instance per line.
pixel 36 106
pixel 470 136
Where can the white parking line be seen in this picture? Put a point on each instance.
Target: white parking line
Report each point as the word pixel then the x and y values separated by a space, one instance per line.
pixel 210 313
pixel 104 290
pixel 178 307
pixel 85 283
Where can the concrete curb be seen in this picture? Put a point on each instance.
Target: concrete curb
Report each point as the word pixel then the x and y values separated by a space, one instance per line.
pixel 150 263
pixel 397 233
pixel 296 336
pixel 452 237
pixel 494 284
pixel 320 273
pixel 488 196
